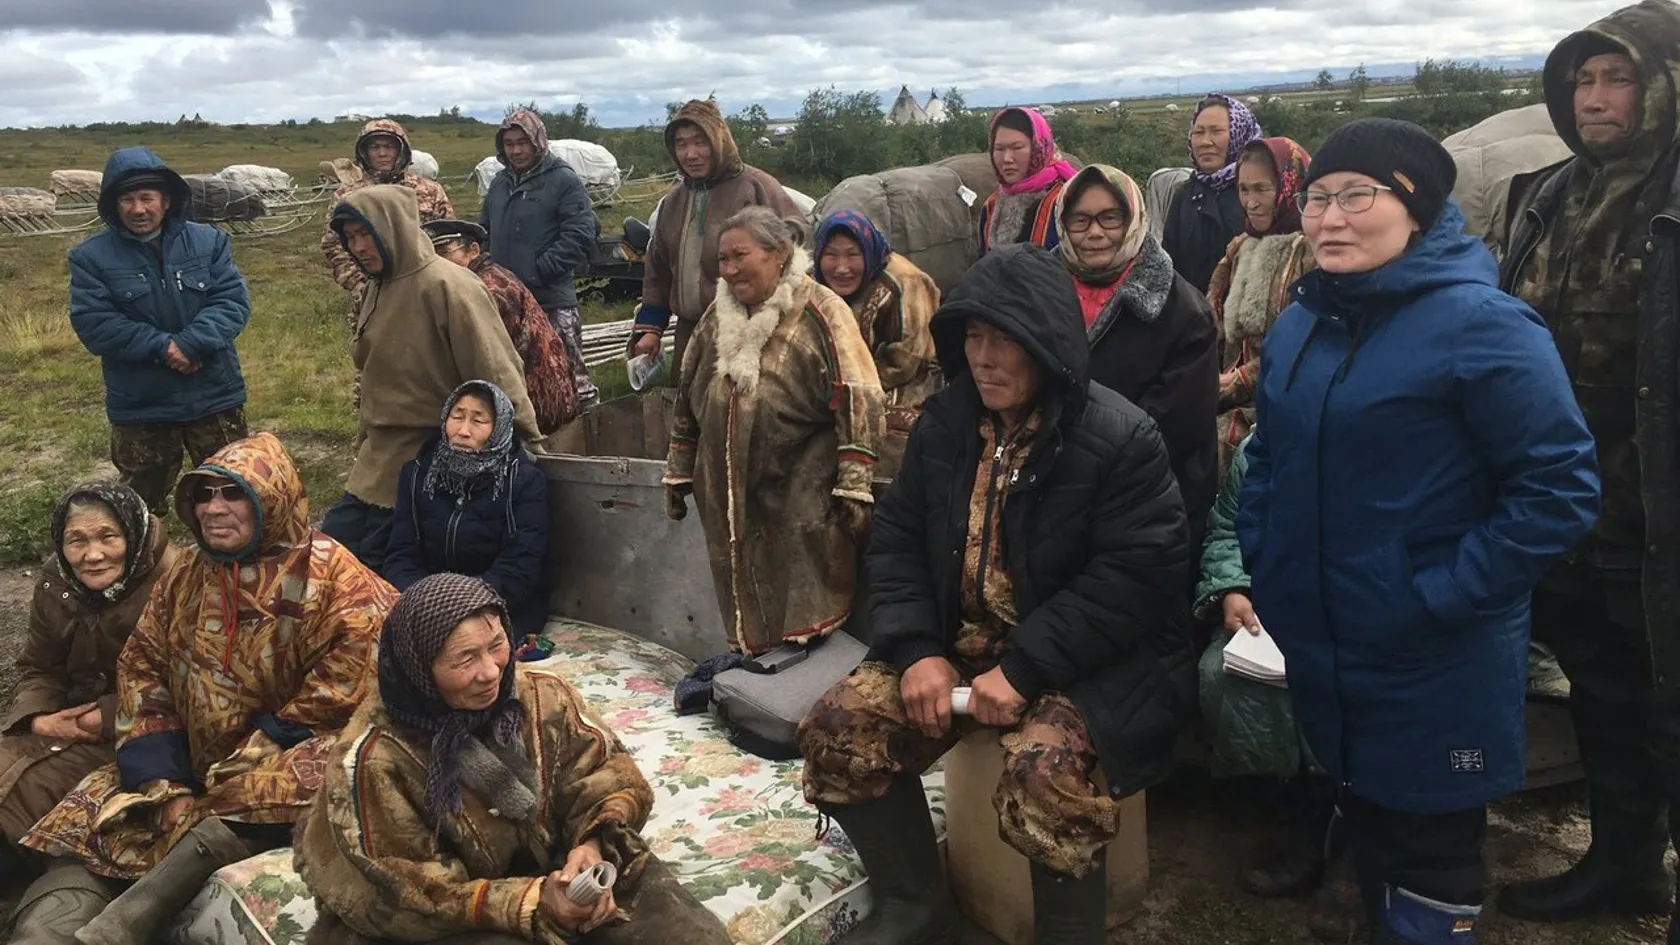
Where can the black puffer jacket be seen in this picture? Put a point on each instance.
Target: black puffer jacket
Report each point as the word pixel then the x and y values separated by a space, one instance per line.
pixel 1094 531
pixel 1201 223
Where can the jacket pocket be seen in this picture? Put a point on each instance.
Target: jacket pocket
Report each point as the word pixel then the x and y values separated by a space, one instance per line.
pixel 194 280
pixel 1376 611
pixel 130 288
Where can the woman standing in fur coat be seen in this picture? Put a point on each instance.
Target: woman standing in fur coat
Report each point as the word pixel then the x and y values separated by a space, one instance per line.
pixel 1251 285
pixel 779 418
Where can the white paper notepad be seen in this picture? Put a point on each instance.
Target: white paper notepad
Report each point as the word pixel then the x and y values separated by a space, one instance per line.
pixel 1255 656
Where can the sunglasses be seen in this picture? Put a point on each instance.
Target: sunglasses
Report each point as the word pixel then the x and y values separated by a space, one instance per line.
pixel 230 492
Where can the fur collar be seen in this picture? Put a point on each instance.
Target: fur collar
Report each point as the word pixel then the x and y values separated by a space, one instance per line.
pixel 741 340
pixel 1145 291
pixel 1254 277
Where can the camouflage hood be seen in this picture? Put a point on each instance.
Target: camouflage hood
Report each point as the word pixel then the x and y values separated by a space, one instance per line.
pixel 405 156
pixel 704 114
pixel 1649 33
pixel 264 470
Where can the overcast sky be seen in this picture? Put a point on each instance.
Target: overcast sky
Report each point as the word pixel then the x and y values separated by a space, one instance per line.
pixel 76 61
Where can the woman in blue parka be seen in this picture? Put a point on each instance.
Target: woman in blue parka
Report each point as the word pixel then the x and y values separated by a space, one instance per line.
pixel 1419 462
pixel 473 503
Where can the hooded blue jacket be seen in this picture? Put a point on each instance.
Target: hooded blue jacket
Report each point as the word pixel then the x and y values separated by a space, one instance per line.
pixel 1418 462
pixel 129 298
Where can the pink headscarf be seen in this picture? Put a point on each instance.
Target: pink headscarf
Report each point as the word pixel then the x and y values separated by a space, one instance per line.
pixel 1045 168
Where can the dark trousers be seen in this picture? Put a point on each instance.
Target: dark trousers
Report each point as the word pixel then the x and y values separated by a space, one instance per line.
pixel 148 455
pixel 1628 731
pixel 364 529
pixel 1436 856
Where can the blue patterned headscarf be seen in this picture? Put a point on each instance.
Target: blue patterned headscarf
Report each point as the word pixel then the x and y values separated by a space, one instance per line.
pixel 876 249
pixel 1245 130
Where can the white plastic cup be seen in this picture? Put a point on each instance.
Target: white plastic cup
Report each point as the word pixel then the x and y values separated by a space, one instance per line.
pixel 959 699
pixel 644 369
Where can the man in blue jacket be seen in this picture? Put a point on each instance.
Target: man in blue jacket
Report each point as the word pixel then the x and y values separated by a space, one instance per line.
pixel 542 226
pixel 160 301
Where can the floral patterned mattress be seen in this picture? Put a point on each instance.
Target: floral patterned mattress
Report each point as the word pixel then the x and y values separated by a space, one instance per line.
pixel 734 828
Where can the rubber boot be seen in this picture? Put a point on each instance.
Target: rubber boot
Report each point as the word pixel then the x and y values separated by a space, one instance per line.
pixel 1336 914
pixel 57 904
pixel 1411 919
pixel 1621 873
pixel 1068 911
pixel 894 838
pixel 134 916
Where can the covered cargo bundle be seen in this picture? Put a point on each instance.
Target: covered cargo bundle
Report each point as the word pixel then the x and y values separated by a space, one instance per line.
pixel 923 211
pixel 1492 152
pixel 593 164
pixel 74 183
pixel 27 202
pixel 424 164
pixel 339 171
pixel 266 179
pixel 217 200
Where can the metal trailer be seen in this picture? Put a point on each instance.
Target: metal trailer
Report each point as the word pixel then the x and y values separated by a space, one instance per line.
pixel 650 576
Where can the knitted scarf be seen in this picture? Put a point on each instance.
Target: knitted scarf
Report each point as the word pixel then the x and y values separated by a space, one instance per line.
pixel 453 469
pixel 415 632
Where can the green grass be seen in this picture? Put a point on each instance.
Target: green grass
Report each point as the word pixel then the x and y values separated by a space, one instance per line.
pixel 296 352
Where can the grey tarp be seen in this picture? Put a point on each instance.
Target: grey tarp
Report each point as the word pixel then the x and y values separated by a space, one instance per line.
pixel 1492 152
pixel 216 200
pixel 920 211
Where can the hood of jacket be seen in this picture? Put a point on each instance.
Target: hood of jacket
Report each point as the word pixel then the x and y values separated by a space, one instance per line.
pixel 532 124
pixel 1649 33
pixel 126 163
pixel 1444 256
pixel 1024 291
pixel 405 153
pixel 391 212
pixel 264 470
pixel 704 114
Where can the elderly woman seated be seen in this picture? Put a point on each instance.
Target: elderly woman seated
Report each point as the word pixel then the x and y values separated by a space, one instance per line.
pixel 252 652
pixel 479 800
pixel 1033 548
pixel 107 552
pixel 893 301
pixel 778 421
pixel 473 503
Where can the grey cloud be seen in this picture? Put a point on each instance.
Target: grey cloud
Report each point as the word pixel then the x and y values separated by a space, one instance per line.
pixel 214 17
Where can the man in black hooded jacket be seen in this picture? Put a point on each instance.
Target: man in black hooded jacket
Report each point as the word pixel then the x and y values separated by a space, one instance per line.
pixel 1033 547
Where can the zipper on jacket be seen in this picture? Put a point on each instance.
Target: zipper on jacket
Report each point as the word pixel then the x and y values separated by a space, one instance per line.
pixel 986 528
pixel 449 534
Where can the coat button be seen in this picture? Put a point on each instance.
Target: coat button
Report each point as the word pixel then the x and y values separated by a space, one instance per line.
pixel 1644 393
pixel 1651 550
pixel 1650 246
pixel 495 813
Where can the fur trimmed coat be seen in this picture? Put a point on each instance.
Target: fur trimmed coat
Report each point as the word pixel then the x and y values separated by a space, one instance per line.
pixel 893 314
pixel 380 862
pixel 779 418
pixel 1249 288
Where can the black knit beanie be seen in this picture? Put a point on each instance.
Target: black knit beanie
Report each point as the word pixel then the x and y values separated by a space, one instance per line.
pixel 1396 154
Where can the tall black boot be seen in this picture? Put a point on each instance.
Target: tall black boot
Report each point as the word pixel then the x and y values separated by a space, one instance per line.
pixel 1622 871
pixel 1068 911
pixel 894 839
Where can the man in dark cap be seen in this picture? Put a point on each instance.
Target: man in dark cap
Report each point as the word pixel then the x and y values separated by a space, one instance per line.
pixel 1594 245
pixel 159 300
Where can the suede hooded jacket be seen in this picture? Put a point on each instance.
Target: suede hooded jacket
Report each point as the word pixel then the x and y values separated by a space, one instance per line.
pixel 1094 532
pixel 681 271
pixel 130 298
pixel 426 327
pixel 541 223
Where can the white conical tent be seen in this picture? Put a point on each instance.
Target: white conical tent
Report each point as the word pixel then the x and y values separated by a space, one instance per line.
pixel 906 111
pixel 935 109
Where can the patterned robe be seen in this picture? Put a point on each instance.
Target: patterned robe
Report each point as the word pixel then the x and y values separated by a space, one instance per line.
pixel 235 683
pixel 548 368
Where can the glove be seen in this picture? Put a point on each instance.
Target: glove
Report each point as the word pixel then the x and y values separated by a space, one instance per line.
pixel 676 502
